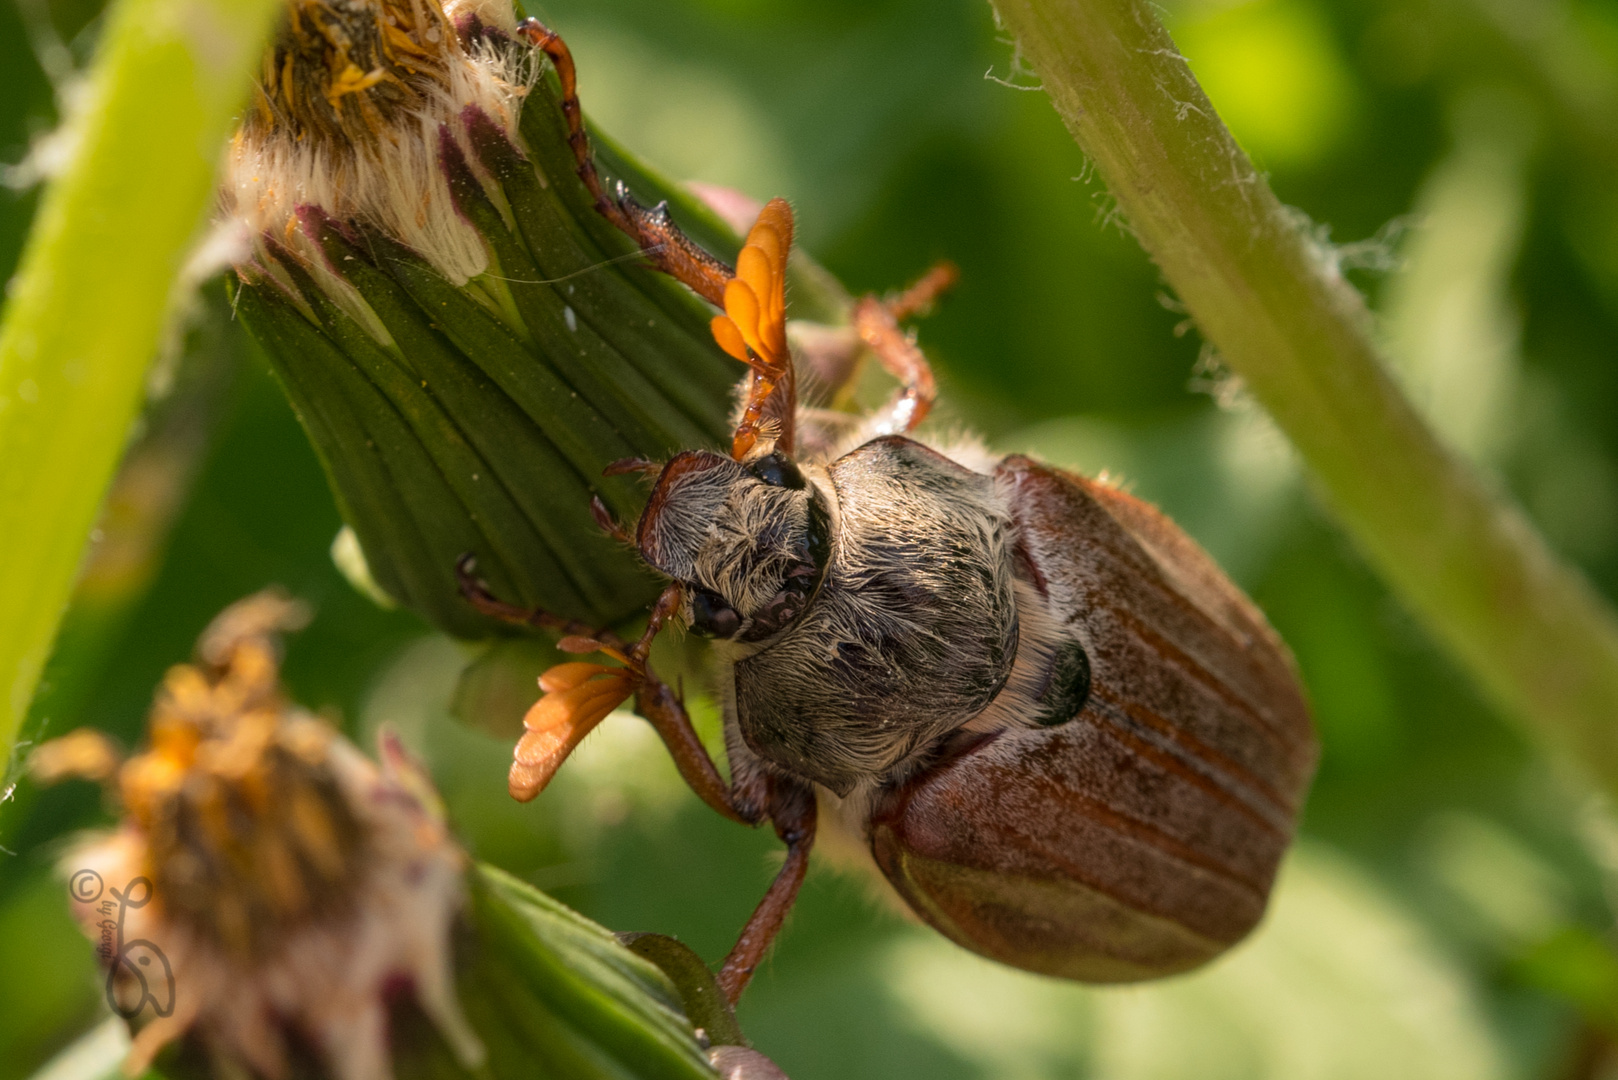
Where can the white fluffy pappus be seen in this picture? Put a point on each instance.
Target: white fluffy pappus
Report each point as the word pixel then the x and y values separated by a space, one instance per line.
pixel 347 114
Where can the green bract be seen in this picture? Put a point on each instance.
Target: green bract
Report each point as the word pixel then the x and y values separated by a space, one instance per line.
pixel 479 418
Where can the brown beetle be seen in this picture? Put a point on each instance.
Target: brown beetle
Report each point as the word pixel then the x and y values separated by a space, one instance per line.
pixel 1066 739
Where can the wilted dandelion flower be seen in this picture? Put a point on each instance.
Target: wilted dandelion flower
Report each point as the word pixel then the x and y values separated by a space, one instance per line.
pixel 267 876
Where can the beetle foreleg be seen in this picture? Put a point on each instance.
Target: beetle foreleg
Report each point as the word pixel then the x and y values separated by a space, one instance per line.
pixel 792 810
pixel 651 227
pixel 663 709
pixel 675 253
pixel 476 592
pixel 551 44
pixel 658 704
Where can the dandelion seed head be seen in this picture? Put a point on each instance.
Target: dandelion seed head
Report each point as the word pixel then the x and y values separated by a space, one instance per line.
pixel 347 112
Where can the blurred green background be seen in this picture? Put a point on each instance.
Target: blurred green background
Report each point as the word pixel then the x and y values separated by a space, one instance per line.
pixel 1449 911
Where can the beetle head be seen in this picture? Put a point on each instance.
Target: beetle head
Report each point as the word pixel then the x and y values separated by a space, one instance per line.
pixel 750 540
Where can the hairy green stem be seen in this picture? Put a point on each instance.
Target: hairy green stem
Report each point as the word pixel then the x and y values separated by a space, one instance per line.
pixel 1270 298
pixel 90 303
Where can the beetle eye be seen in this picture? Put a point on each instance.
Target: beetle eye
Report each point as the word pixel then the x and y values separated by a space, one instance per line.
pixel 711 615
pixel 777 470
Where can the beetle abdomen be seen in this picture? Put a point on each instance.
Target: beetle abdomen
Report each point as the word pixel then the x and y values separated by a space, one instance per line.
pixel 1141 837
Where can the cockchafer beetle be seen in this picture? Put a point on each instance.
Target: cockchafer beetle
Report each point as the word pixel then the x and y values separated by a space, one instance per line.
pixel 1063 735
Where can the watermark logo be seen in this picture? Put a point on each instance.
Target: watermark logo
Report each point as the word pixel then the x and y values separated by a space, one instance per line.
pixel 85 886
pixel 148 978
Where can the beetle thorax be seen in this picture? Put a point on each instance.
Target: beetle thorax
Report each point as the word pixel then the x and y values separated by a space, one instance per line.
pixel 912 634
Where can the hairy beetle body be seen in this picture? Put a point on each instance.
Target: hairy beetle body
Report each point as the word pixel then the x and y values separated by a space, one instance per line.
pixel 1068 741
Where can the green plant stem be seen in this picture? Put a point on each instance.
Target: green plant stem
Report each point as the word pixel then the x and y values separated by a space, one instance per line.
pixel 92 298
pixel 1268 296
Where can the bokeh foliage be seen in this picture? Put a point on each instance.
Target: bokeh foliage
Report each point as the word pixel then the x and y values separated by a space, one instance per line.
pixel 1450 913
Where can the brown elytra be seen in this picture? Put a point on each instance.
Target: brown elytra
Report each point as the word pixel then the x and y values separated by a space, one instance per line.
pixel 1142 837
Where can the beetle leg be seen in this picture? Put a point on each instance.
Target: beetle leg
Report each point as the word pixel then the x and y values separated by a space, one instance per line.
pixel 673 252
pixel 919 299
pixel 792 811
pixel 651 227
pixel 664 710
pixel 476 592
pixel 900 356
pixel 607 523
pixel 654 700
pixel 877 323
pixel 631 465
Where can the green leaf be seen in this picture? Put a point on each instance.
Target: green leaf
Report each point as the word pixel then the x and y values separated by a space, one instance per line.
pixel 352 424
pixel 679 359
pixel 1578 965
pixel 592 357
pixel 553 495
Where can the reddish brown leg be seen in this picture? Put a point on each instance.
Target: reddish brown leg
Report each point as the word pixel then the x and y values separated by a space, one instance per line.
pixel 633 465
pixel 898 354
pixel 789 804
pixel 477 593
pixel 651 227
pixel 920 297
pixel 664 710
pixel 609 524
pixel 877 323
pixel 792 810
pixel 661 707
pixel 675 253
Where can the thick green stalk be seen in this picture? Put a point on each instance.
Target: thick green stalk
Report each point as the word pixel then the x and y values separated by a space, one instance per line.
pixel 90 302
pixel 1270 299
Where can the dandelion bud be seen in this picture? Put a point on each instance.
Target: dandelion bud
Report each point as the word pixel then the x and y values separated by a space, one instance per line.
pixel 466 340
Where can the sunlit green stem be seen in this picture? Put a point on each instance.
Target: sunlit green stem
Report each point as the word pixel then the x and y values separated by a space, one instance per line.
pixel 1270 299
pixel 90 302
